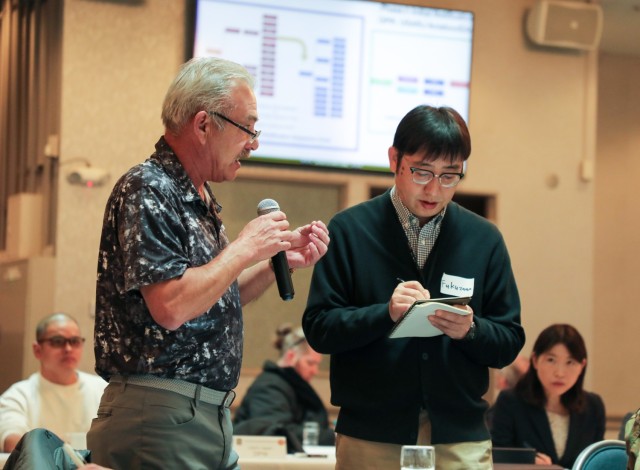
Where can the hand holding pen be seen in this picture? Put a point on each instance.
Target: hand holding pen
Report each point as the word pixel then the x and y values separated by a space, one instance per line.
pixel 404 295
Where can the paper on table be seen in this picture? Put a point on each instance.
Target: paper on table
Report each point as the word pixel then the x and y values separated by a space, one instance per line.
pixel 414 322
pixel 267 447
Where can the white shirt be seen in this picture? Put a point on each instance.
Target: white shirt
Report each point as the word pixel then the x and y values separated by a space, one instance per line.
pixel 559 430
pixel 38 403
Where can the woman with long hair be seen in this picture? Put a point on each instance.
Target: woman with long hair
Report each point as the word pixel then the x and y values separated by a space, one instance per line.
pixel 549 409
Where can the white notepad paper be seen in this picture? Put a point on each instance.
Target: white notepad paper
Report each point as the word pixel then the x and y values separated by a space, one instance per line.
pixel 414 323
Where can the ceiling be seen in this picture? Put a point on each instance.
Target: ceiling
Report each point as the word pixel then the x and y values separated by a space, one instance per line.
pixel 621 29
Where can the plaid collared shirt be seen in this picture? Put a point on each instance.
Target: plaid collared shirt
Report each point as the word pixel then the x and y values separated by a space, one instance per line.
pixel 421 239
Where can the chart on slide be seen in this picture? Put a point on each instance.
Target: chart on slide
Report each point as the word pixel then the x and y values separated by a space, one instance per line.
pixel 430 78
pixel 303 83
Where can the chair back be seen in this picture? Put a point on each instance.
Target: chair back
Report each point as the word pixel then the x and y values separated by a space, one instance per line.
pixel 40 449
pixel 609 454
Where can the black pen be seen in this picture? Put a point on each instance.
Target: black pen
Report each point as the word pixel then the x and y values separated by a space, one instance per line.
pixel 400 281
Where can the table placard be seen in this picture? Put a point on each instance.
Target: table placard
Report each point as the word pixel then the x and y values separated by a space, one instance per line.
pixel 267 447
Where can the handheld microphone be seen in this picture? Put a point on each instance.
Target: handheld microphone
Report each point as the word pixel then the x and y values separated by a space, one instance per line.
pixel 279 260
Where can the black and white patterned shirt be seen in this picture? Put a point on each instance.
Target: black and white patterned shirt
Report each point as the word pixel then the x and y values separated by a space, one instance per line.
pixel 421 239
pixel 155 227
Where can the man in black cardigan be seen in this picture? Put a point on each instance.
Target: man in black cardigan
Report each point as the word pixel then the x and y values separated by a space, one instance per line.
pixel 394 392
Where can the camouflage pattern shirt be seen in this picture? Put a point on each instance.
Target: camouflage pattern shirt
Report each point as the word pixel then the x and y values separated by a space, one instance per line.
pixel 156 226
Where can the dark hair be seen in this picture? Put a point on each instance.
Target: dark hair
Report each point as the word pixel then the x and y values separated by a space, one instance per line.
pixel 438 132
pixel 529 387
pixel 287 338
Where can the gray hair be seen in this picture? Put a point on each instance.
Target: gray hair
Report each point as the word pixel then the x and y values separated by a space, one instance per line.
pixel 43 324
pixel 287 338
pixel 203 83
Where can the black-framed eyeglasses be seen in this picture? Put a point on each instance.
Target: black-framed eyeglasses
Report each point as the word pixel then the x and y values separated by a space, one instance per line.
pixel 446 180
pixel 60 342
pixel 254 135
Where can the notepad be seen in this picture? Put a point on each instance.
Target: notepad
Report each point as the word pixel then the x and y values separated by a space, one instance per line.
pixel 414 322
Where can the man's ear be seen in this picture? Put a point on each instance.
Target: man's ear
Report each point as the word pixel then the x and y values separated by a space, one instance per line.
pixel 200 123
pixel 393 159
pixel 37 350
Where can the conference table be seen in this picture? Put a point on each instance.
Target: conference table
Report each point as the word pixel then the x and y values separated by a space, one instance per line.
pixel 291 462
pixel 525 466
pixel 327 462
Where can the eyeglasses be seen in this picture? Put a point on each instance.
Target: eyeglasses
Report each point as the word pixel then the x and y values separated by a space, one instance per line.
pixel 446 180
pixel 254 135
pixel 60 342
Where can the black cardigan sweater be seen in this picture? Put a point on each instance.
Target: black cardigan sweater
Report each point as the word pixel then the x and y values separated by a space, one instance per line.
pixel 380 384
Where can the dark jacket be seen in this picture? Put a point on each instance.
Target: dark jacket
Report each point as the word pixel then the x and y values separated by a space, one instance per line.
pixel 515 423
pixel 277 403
pixel 380 384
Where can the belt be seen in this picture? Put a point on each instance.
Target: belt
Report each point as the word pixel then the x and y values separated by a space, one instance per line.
pixel 187 389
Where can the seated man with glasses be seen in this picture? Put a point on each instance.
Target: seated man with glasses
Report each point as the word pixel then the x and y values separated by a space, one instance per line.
pixel 59 397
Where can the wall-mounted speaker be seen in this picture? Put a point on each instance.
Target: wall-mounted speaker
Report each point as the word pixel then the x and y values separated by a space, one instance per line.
pixel 567 24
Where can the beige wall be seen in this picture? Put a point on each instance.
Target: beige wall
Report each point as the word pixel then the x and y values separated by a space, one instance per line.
pixel 617 234
pixel 118 61
pixel 532 123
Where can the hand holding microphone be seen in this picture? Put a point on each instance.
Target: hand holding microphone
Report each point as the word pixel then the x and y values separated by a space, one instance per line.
pixel 279 260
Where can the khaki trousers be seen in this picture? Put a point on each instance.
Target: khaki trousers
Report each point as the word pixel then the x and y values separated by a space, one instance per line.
pixel 357 454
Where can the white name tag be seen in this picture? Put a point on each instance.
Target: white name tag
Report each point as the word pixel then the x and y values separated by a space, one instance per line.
pixel 267 447
pixel 455 285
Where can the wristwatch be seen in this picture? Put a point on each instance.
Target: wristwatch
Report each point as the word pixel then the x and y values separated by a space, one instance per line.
pixel 471 333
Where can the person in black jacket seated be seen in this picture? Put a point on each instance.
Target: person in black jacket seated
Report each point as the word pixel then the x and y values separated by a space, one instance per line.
pixel 548 409
pixel 281 399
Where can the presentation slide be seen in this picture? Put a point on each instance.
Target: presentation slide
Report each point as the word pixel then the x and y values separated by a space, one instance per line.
pixel 334 77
